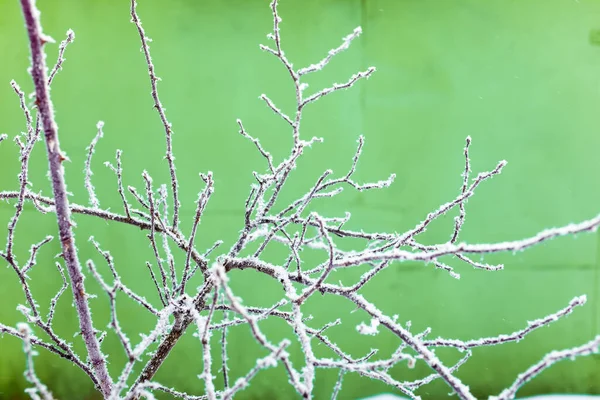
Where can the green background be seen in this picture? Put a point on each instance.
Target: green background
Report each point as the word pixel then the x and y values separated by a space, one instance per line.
pixel 521 77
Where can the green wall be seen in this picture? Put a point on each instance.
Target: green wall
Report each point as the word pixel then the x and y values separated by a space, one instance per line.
pixel 521 77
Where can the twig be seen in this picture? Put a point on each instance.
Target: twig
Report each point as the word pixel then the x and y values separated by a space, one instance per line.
pixel 461 217
pixel 39 389
pixel 118 170
pixel 88 167
pixel 550 359
pixel 515 336
pixel 61 53
pixel 161 112
pixel 203 198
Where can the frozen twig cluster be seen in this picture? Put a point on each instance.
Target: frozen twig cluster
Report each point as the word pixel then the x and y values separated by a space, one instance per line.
pixel 213 307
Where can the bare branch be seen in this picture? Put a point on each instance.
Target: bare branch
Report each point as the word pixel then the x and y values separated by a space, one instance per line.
pixel 268 220
pixel 118 170
pixel 161 112
pixel 461 217
pixel 54 300
pixel 88 167
pixel 55 157
pixel 202 325
pixel 310 290
pixel 26 149
pixel 154 216
pixel 276 110
pixel 119 283
pixel 256 142
pixel 203 198
pixel 61 53
pixel 444 208
pixel 221 280
pixel 39 390
pixel 333 52
pixel 445 249
pixel 33 253
pixel 550 359
pixel 339 86
pixel 513 337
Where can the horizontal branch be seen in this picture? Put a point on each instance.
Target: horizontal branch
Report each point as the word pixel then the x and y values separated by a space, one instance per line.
pixel 108 216
pixel 515 336
pixel 446 249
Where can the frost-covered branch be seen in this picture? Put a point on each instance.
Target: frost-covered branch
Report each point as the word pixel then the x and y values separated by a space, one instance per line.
pixel 317 245
pixel 161 112
pixel 591 347
pixel 39 390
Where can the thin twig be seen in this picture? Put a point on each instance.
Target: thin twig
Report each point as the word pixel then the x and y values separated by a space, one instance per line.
pixel 161 112
pixel 38 389
pixel 203 198
pixel 88 166
pixel 61 55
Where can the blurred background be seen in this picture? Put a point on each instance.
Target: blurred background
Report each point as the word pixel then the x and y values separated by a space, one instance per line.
pixel 522 78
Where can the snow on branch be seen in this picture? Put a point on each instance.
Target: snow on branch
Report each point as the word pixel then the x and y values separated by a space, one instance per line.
pixel 316 246
pixel 591 347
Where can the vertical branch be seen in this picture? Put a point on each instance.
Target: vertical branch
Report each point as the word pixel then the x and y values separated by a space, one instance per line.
pixel 154 214
pixel 61 55
pixel 202 200
pixel 30 375
pixel 458 221
pixel 170 260
pixel 161 112
pixel 118 170
pixel 204 334
pixel 224 357
pixel 25 148
pixel 54 300
pixel 94 202
pixel 338 385
pixel 55 158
